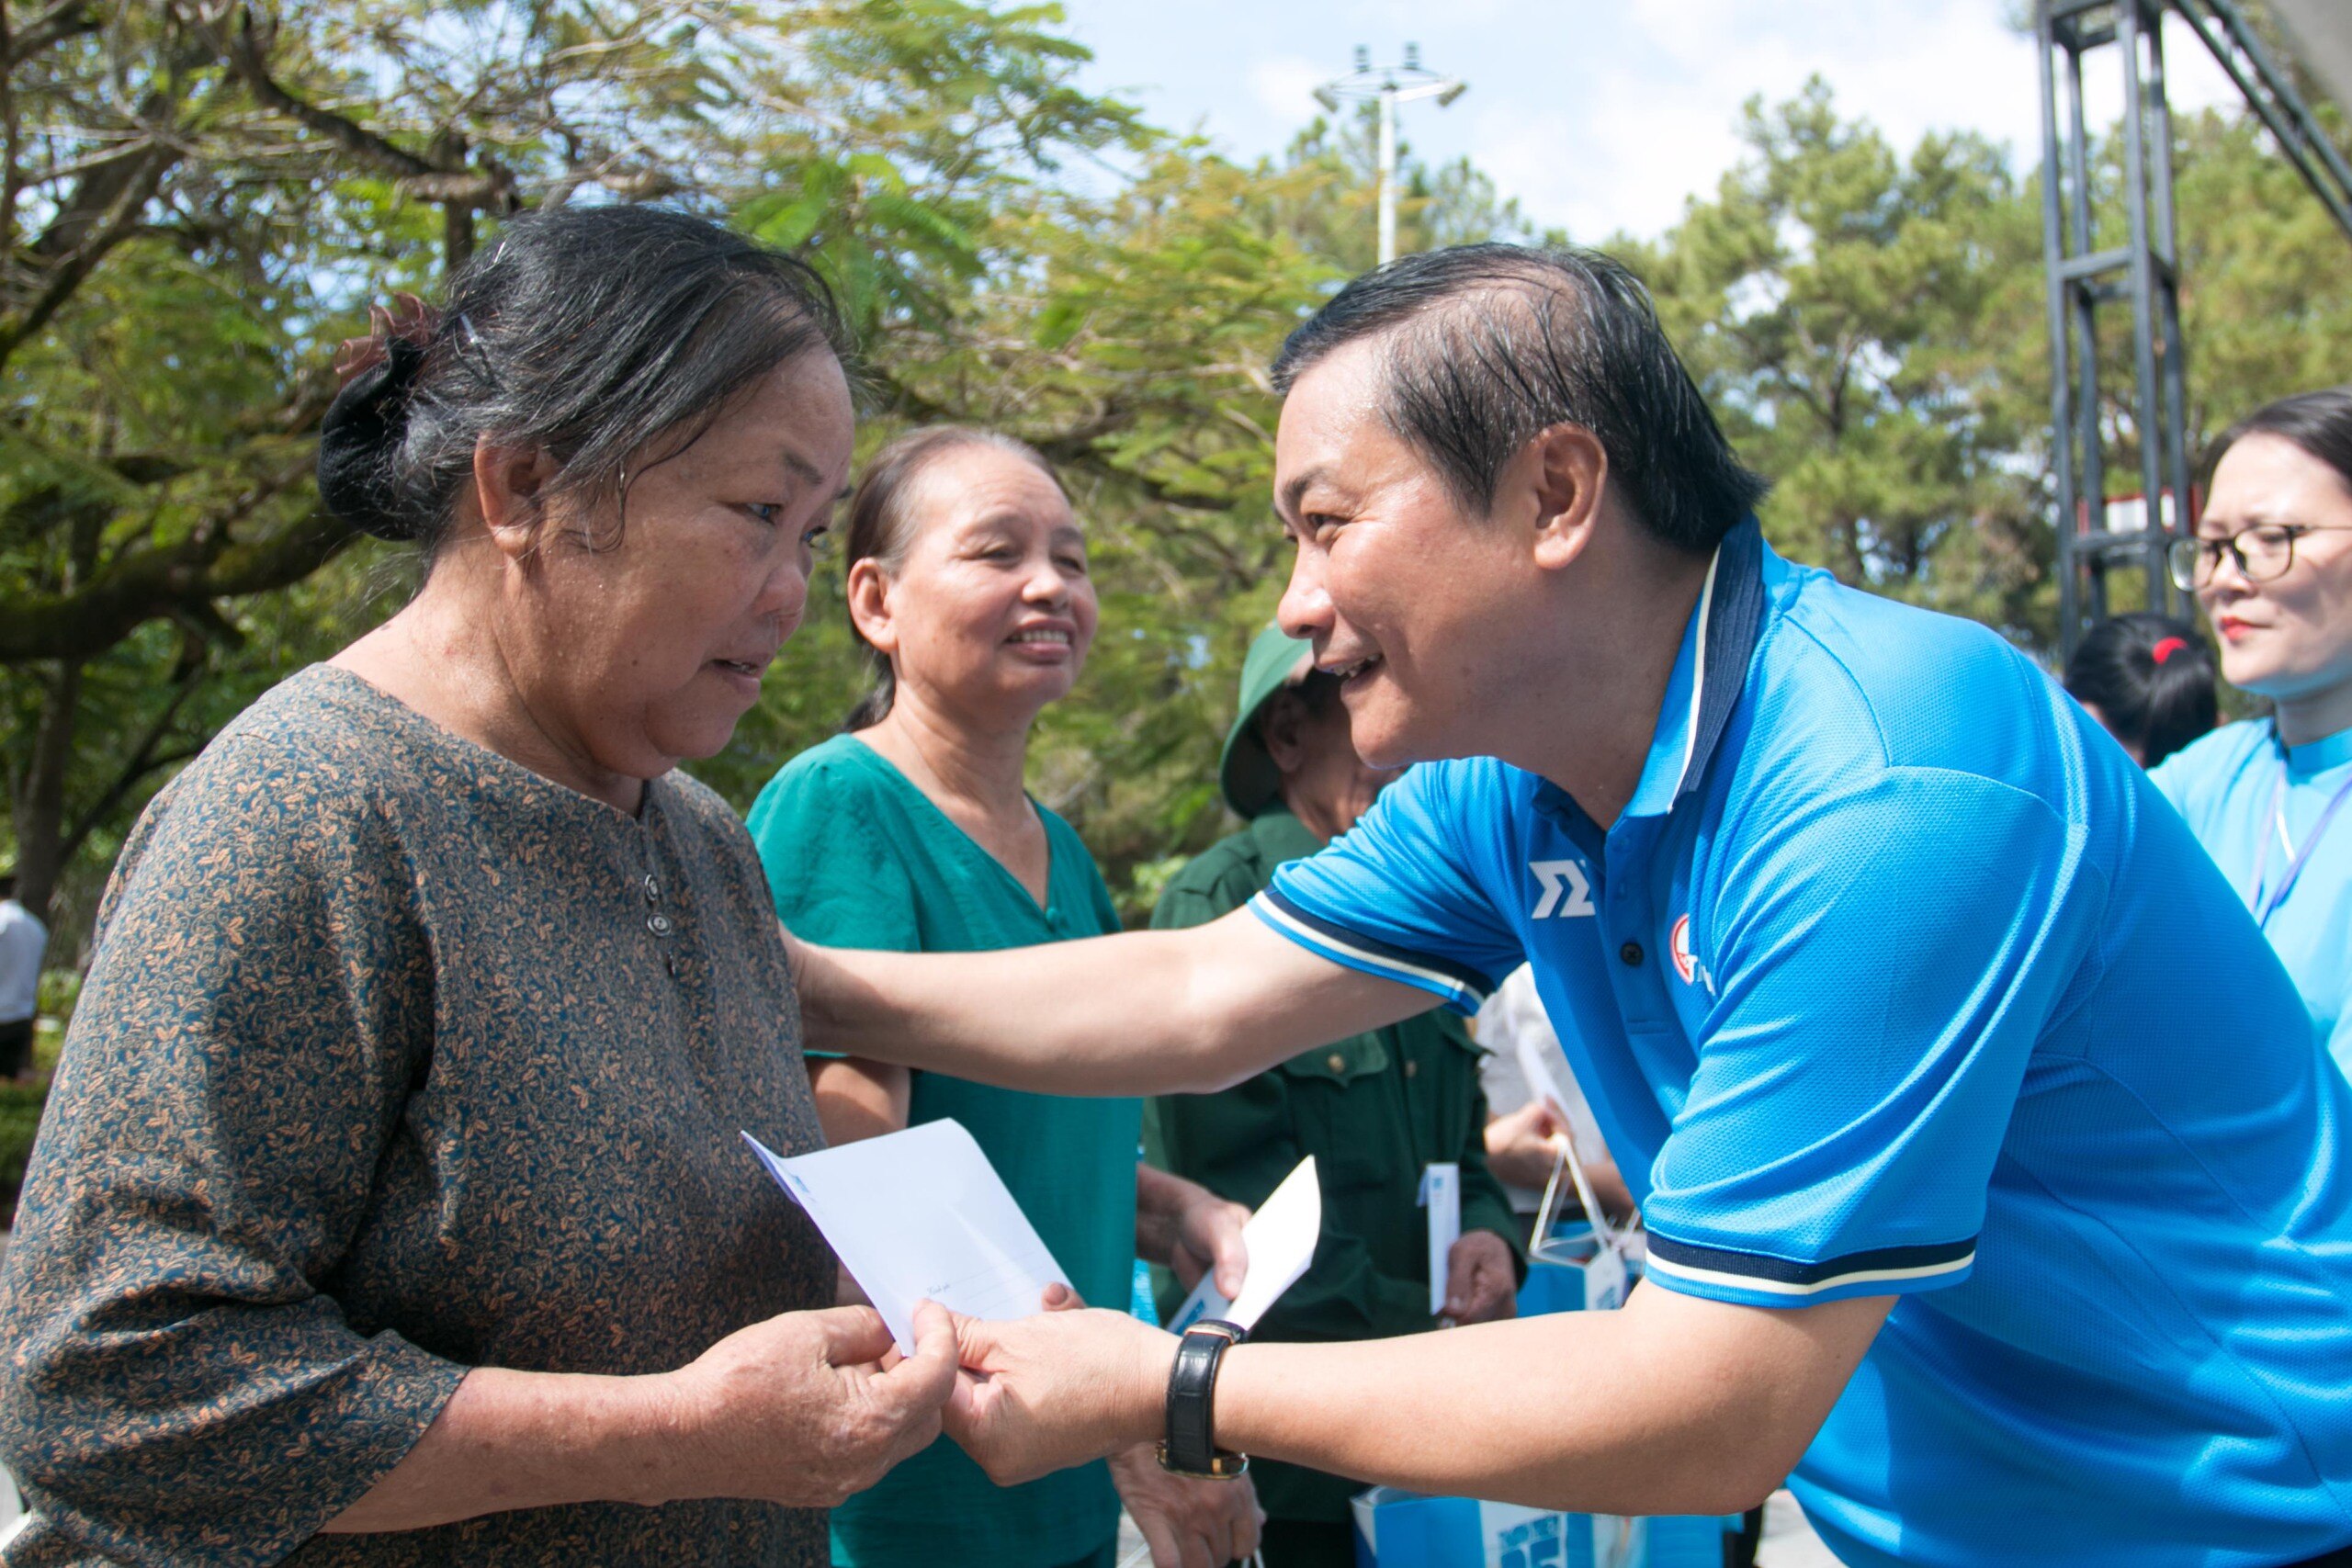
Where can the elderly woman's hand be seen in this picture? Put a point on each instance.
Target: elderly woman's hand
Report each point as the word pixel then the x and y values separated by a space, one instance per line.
pixel 808 1408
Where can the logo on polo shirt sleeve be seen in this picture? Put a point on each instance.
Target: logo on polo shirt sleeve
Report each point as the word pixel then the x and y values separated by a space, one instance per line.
pixel 1566 890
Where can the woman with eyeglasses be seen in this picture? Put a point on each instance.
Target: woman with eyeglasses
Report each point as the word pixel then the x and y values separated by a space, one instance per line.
pixel 2271 563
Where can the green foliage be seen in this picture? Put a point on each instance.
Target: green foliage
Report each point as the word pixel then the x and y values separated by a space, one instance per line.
pixel 1859 320
pixel 203 198
pixel 20 1108
pixel 201 207
pixel 1871 329
pixel 1127 337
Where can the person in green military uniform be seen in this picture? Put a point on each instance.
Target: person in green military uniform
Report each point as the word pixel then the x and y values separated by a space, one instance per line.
pixel 1374 1109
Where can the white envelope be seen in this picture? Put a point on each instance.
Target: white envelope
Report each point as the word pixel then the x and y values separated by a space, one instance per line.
pixel 1280 1237
pixel 921 1215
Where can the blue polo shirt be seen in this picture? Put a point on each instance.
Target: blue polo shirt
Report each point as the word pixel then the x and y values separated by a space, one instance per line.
pixel 2229 788
pixel 1897 979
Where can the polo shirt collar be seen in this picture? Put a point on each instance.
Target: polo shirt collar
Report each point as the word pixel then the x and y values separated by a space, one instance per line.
pixel 1710 671
pixel 2315 756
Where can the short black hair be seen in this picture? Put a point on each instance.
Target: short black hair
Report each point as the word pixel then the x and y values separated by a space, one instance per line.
pixel 2319 422
pixel 590 331
pixel 1491 344
pixel 2151 678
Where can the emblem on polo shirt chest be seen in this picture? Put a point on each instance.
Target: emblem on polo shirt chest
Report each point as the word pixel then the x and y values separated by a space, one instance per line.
pixel 1566 890
pixel 1686 962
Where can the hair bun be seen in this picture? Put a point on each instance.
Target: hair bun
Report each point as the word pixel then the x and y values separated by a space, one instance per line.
pixel 356 439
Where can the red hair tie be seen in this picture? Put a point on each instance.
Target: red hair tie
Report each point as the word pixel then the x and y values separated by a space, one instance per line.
pixel 2166 647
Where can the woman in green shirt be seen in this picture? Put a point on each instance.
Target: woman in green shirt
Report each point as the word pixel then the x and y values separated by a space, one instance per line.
pixel 913 832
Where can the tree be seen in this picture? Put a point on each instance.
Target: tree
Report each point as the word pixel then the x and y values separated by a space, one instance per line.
pixel 1857 318
pixel 196 196
pixel 1128 337
pixel 1871 329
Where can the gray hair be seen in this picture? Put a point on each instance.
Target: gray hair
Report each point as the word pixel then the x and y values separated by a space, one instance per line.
pixel 593 334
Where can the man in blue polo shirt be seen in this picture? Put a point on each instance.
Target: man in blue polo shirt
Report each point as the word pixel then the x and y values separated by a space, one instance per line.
pixel 1990 1169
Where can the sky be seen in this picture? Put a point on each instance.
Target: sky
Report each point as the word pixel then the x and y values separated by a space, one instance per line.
pixel 1597 115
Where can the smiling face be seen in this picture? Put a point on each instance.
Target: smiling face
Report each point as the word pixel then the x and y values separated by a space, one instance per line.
pixel 2291 637
pixel 639 635
pixel 1419 606
pixel 989 612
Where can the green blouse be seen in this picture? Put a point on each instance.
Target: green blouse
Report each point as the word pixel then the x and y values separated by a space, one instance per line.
pixel 859 857
pixel 395 1058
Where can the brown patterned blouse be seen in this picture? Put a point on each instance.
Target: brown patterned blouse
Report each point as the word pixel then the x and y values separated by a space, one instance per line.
pixel 395 1058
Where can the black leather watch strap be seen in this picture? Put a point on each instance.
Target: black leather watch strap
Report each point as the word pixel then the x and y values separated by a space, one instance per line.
pixel 1191 1447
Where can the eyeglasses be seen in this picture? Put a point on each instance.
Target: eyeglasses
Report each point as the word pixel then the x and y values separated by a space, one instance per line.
pixel 2264 553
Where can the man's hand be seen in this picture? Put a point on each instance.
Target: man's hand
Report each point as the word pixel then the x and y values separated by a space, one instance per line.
pixel 808 1408
pixel 1050 1392
pixel 1523 1145
pixel 1481 1281
pixel 1187 1522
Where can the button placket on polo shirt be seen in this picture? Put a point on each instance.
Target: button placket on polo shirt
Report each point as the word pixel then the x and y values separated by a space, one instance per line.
pixel 1634 968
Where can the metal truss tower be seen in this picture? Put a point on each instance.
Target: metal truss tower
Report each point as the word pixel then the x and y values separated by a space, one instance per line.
pixel 2142 273
pixel 2099 536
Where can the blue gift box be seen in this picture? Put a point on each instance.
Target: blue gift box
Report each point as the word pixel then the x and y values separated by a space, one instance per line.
pixel 1404 1529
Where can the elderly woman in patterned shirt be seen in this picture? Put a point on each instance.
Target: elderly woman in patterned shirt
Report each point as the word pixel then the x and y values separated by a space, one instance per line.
pixel 390 1207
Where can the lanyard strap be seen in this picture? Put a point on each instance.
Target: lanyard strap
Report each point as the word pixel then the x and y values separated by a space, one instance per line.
pixel 2265 901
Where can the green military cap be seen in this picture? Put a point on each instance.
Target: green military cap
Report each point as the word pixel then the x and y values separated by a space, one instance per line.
pixel 1246 776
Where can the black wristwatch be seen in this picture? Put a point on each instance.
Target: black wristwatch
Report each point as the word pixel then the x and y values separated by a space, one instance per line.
pixel 1191 1448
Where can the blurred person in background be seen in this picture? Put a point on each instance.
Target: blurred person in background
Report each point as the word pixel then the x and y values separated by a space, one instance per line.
pixel 390 1207
pixel 1524 1132
pixel 2271 565
pixel 23 942
pixel 913 831
pixel 1373 1109
pixel 2149 680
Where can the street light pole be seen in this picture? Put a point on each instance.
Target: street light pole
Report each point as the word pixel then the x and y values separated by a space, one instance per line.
pixel 1388 175
pixel 1388 86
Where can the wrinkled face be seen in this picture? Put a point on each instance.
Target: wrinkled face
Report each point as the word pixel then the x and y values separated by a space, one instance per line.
pixel 1325 782
pixel 990 611
pixel 650 624
pixel 1406 596
pixel 2291 636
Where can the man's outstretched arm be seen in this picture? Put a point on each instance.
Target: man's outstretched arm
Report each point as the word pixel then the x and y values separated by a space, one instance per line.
pixel 1673 1404
pixel 1145 1012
